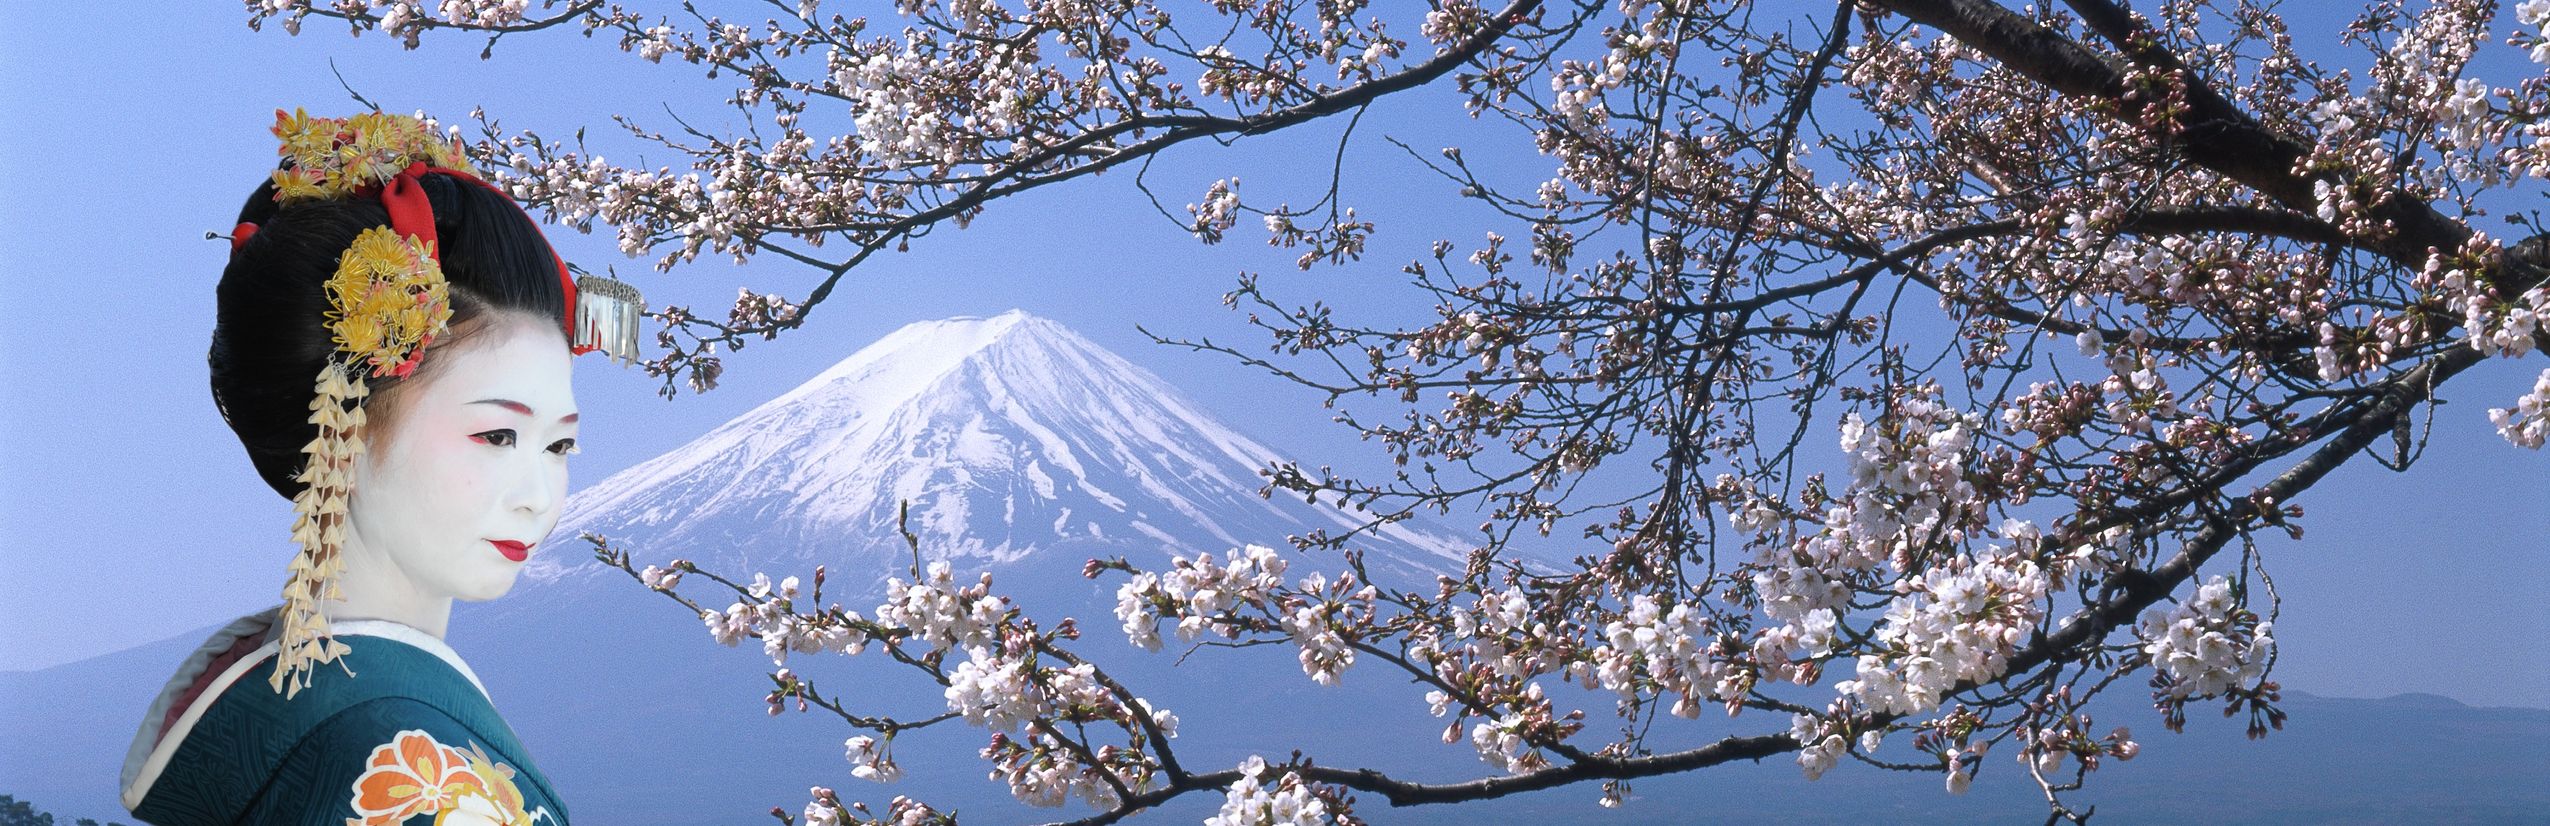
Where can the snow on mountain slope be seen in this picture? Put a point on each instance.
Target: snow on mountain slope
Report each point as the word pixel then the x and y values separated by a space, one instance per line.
pixel 1011 436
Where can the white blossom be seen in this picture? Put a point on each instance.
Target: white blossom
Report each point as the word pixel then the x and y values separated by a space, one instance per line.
pixel 1251 801
pixel 2527 424
pixel 869 759
pixel 2207 644
pixel 661 579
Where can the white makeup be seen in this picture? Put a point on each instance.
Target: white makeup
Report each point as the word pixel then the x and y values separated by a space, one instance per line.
pixel 476 455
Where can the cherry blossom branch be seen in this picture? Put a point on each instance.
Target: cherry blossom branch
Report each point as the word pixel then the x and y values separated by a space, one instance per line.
pixel 2077 304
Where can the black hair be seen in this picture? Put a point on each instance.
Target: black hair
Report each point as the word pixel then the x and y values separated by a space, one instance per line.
pixel 270 334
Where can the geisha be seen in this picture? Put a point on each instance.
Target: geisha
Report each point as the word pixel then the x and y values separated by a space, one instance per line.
pixel 391 345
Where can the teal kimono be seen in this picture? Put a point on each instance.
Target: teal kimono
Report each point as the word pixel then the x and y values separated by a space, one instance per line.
pixel 409 739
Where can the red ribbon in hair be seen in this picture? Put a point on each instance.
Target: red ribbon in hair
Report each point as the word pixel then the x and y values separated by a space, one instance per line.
pixel 411 214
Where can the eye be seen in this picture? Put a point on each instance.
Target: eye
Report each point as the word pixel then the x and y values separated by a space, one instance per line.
pixel 501 437
pixel 564 447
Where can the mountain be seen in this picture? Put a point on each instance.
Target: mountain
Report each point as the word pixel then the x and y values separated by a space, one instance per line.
pixel 1011 436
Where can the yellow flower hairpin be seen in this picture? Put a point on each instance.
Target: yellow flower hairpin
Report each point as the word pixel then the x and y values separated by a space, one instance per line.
pixel 336 157
pixel 387 300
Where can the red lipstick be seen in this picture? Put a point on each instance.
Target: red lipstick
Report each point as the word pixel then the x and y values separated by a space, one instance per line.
pixel 512 550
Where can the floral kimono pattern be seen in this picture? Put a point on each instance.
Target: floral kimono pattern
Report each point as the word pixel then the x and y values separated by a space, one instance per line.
pixel 414 775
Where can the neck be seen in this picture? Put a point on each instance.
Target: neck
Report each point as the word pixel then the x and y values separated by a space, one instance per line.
pixel 375 589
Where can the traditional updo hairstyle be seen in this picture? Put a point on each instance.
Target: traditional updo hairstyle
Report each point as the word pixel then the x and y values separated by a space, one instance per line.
pixel 270 331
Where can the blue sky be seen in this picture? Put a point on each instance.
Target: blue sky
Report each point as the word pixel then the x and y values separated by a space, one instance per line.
pixel 128 513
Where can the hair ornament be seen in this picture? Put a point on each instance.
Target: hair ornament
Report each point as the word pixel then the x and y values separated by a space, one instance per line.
pixel 338 157
pixel 387 301
pixel 318 526
pixel 606 318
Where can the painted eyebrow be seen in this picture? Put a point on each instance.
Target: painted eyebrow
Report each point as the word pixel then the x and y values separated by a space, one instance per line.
pixel 521 408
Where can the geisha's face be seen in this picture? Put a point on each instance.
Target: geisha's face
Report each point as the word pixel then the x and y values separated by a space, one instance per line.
pixel 467 479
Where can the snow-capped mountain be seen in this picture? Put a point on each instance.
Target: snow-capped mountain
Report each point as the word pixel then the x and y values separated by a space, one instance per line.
pixel 1010 436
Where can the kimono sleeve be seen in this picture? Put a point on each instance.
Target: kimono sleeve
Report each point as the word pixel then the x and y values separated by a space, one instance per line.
pixel 392 761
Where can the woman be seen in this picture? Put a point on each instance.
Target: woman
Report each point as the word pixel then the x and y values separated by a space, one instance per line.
pixel 391 346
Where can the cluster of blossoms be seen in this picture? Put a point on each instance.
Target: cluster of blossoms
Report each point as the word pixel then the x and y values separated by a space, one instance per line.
pixel 1314 620
pixel 771 616
pixel 2208 644
pixel 1676 651
pixel 1206 595
pixel 1822 744
pixel 483 12
pixel 1496 633
pixel 1042 770
pixel 2418 87
pixel 1252 801
pixel 1451 20
pixel 1507 741
pixel 999 684
pixel 2527 424
pixel 871 759
pixel 2423 77
pixel 1908 498
pixel 825 809
pixel 1907 484
pixel 897 120
pixel 1218 213
pixel 2530 156
pixel 995 691
pixel 2508 329
pixel 2054 410
pixel 1956 622
pixel 1229 77
pixel 2044 749
pixel 645 206
pixel 1500 648
pixel 406 19
pixel 1201 594
pixel 663 577
pixel 2535 14
pixel 1002 692
pixel 1489 651
pixel 940 613
pixel 2134 399
pixel 2491 322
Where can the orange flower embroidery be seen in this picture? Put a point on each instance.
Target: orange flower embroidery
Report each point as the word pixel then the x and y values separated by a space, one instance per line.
pixel 415 775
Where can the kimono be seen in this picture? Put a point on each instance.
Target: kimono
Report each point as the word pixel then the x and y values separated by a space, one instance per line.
pixel 409 739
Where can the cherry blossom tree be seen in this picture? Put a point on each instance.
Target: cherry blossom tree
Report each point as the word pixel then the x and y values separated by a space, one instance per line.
pixel 2086 296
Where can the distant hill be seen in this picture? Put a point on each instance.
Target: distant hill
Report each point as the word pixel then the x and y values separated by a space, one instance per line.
pixel 1027 450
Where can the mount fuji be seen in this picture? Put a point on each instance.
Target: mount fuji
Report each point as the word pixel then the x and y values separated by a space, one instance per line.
pixel 1010 436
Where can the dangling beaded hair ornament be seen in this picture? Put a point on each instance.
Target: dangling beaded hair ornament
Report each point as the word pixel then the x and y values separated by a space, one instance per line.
pixel 387 302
